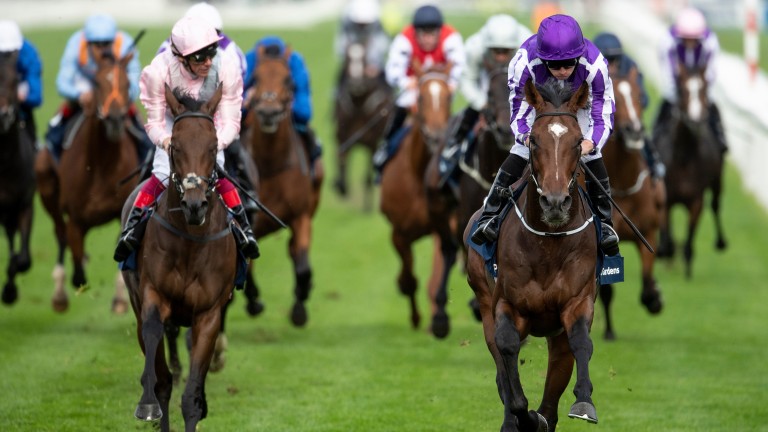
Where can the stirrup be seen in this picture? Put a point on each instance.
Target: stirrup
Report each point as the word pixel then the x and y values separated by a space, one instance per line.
pixel 485 232
pixel 609 248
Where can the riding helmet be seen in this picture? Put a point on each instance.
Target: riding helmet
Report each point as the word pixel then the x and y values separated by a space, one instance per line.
pixel 10 36
pixel 427 17
pixel 207 12
pixel 100 28
pixel 690 24
pixel 191 34
pixel 503 31
pixel 560 38
pixel 608 44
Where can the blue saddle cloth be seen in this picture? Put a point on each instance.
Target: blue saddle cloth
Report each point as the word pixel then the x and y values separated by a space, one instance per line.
pixel 393 144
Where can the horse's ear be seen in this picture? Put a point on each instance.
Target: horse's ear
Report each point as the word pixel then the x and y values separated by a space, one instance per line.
pixel 173 103
pixel 260 51
pixel 533 97
pixel 210 106
pixel 288 52
pixel 579 99
pixel 127 59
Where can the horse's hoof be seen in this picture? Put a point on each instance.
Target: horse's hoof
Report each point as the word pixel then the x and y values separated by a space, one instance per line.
pixel 475 306
pixel 341 188
pixel 652 303
pixel 440 325
pixel 721 244
pixel 23 264
pixel 584 411
pixel 254 308
pixel 299 315
pixel 219 359
pixel 148 412
pixel 543 425
pixel 119 306
pixel 10 293
pixel 60 303
pixel 609 336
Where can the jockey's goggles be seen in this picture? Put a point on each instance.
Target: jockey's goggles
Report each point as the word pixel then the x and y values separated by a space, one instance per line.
pixel 101 44
pixel 561 64
pixel 204 54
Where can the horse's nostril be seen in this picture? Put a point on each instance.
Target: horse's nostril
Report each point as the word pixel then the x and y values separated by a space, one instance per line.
pixel 567 203
pixel 544 202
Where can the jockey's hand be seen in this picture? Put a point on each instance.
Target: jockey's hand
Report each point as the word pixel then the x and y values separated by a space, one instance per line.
pixel 85 98
pixel 586 147
pixel 248 97
pixel 411 83
pixel 166 143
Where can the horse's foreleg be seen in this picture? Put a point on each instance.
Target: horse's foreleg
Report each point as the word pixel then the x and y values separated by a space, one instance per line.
pixel 406 280
pixel 253 305
pixel 340 184
pixel 666 247
pixel 172 336
pixel 23 258
pixel 205 330
pixel 446 255
pixel 151 327
pixel 76 240
pixel 720 243
pixel 119 301
pixel 368 190
pixel 299 250
pixel 650 296
pixel 10 292
pixel 606 298
pixel 577 323
pixel 694 212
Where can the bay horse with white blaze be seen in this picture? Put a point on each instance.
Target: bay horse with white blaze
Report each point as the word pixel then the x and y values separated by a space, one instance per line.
pixel 17 180
pixel 546 255
pixel 694 163
pixel 286 184
pixel 362 111
pixel 185 267
pixel 404 198
pixel 84 189
pixel 639 195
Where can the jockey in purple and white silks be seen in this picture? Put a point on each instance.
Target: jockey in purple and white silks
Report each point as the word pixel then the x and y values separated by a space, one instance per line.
pixel 193 66
pixel 557 51
pixel 691 43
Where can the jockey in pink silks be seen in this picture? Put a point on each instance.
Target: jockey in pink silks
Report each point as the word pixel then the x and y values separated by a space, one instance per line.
pixel 192 66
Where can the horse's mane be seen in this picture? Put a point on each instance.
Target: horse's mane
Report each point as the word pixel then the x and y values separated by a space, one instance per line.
pixel 185 98
pixel 554 93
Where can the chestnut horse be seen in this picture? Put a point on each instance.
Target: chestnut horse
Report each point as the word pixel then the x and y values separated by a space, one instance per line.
pixel 17 180
pixel 546 256
pixel 362 111
pixel 694 163
pixel 84 190
pixel 286 184
pixel 185 267
pixel 404 199
pixel 634 190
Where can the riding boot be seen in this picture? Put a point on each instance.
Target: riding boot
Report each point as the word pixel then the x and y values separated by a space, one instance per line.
pixel 130 238
pixel 716 124
pixel 601 204
pixel 662 119
pixel 652 157
pixel 449 157
pixel 386 147
pixel 488 224
pixel 313 147
pixel 235 163
pixel 246 241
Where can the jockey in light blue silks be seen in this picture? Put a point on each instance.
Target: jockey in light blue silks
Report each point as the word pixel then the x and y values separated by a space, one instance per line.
pixel 558 51
pixel 302 102
pixel 99 37
pixel 29 69
pixel 691 43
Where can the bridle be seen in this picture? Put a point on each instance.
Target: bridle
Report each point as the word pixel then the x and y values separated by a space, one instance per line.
pixel 492 125
pixel 531 147
pixel 191 181
pixel 430 138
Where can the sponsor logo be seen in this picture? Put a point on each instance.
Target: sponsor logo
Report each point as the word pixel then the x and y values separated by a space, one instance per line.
pixel 610 271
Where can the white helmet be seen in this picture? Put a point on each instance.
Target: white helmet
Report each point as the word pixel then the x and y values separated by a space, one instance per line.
pixel 690 24
pixel 502 31
pixel 10 36
pixel 207 12
pixel 363 11
pixel 191 34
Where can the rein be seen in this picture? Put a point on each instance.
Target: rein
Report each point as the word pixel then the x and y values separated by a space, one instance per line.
pixel 114 95
pixel 190 182
pixel 187 236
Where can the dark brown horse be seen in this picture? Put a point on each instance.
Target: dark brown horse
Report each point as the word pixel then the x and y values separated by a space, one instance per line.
pixel 546 255
pixel 404 199
pixel 634 190
pixel 185 267
pixel 17 180
pixel 84 189
pixel 694 163
pixel 286 184
pixel 361 113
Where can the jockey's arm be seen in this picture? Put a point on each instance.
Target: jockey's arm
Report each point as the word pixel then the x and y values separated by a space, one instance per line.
pixel 31 72
pixel 68 69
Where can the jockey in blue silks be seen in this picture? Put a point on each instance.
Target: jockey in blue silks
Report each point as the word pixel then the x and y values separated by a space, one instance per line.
pixel 559 50
pixel 302 102
pixel 29 69
pixel 610 45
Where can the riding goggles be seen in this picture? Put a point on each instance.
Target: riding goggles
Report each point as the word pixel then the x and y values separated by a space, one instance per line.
pixel 204 54
pixel 561 64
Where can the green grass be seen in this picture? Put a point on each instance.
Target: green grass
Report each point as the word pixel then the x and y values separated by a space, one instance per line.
pixel 358 366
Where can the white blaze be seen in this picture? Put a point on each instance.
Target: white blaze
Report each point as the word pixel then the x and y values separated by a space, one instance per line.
pixel 557 130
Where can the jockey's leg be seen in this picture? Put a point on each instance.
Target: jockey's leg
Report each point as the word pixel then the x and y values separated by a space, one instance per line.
pixel 662 119
pixel 601 203
pixel 382 153
pixel 57 126
pixel 653 158
pixel 716 124
pixel 312 145
pixel 449 158
pixel 247 241
pixel 488 225
pixel 29 125
pixel 130 238
pixel 143 144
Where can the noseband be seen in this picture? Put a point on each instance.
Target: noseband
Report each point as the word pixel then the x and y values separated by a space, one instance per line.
pixel 191 181
pixel 572 183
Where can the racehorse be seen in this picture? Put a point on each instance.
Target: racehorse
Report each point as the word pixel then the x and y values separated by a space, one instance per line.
pixel 17 180
pixel 546 256
pixel 403 194
pixel 84 189
pixel 634 190
pixel 694 163
pixel 185 268
pixel 286 184
pixel 361 113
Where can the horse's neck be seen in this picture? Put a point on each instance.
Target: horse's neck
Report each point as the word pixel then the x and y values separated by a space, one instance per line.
pixel 622 163
pixel 92 138
pixel 418 150
pixel 274 152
